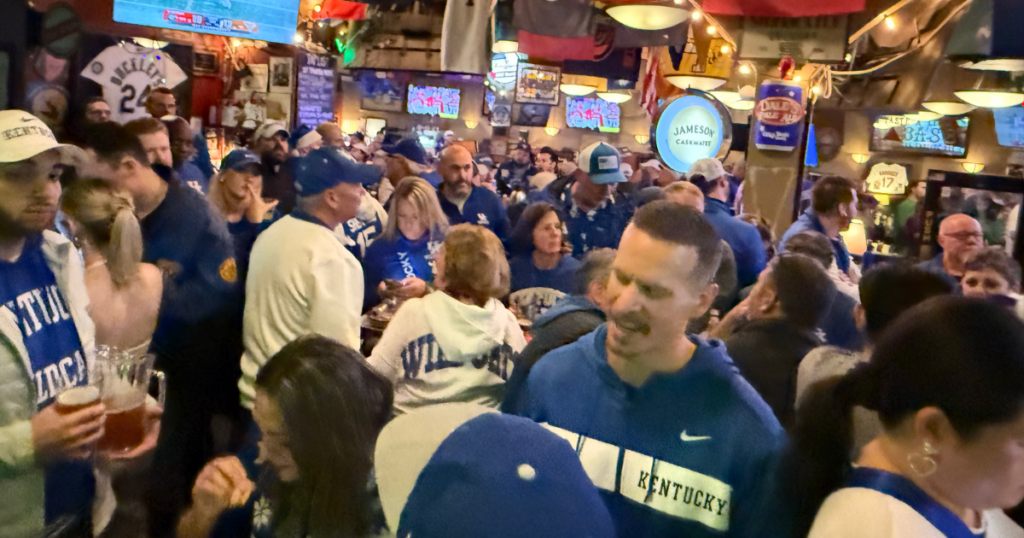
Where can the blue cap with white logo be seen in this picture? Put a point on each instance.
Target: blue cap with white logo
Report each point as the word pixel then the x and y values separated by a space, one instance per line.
pixel 325 168
pixel 602 163
pixel 240 160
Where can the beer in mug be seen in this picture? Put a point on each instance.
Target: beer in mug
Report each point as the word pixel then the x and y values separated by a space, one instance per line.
pixel 77 398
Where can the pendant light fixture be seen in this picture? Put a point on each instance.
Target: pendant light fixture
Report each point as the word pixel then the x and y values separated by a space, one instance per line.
pixel 615 97
pixel 648 16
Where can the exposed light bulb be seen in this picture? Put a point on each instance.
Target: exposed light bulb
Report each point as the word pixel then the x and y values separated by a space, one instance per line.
pixel 797 78
pixel 678 2
pixel 890 23
pixel 848 57
pixel 299 38
pixel 726 49
pixel 696 15
pixel 712 30
pixel 816 90
pixel 317 8
pixel 744 69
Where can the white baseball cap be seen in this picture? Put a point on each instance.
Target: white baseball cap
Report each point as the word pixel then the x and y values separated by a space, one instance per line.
pixel 23 136
pixel 270 128
pixel 711 169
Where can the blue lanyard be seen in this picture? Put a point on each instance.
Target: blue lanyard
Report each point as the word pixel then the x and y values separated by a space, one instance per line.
pixel 905 491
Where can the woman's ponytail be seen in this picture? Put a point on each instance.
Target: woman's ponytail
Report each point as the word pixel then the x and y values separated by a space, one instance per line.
pixel 818 459
pixel 124 252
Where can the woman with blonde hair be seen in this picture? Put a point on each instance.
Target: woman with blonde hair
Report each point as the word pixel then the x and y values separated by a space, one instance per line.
pixel 455 344
pixel 401 260
pixel 124 293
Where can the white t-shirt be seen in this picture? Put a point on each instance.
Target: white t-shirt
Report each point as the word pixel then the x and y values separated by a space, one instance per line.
pixel 127 73
pixel 866 513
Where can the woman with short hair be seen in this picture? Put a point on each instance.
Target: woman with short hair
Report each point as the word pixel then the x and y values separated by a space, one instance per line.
pixel 947 382
pixel 124 293
pixel 540 261
pixel 404 253
pixel 319 409
pixel 455 344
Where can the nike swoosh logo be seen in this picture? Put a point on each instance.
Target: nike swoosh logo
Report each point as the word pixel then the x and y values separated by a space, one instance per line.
pixel 26 120
pixel 692 438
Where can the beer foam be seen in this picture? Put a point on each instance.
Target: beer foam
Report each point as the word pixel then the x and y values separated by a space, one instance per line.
pixel 79 396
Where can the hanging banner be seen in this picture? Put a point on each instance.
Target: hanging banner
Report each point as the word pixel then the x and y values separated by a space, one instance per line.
pixel 702 56
pixel 691 127
pixel 887 179
pixel 779 116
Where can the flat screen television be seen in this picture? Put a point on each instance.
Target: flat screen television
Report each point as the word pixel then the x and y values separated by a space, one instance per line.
pixel 264 20
pixel 591 113
pixel 1009 126
pixel 946 136
pixel 433 101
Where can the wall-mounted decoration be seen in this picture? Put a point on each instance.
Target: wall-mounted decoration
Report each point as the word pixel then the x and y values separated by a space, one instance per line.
pixel 281 71
pixel 315 96
pixel 381 91
pixel 537 84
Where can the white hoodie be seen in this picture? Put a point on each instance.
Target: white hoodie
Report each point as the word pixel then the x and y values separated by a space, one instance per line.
pixel 439 350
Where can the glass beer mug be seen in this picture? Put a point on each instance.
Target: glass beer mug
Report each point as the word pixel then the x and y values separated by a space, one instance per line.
pixel 124 383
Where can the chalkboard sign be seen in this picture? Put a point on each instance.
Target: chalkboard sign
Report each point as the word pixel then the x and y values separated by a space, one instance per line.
pixel 315 100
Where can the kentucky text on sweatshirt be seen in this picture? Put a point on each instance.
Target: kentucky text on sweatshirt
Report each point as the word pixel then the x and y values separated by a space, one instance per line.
pixel 398 259
pixel 690 453
pixel 440 350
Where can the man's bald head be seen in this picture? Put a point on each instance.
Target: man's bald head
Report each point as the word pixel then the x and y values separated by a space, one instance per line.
pixel 960 237
pixel 456 168
pixel 331 134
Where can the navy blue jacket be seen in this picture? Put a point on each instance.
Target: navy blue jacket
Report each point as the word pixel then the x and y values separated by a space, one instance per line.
pixel 690 453
pixel 198 334
pixel 743 238
pixel 809 221
pixel 936 266
pixel 483 208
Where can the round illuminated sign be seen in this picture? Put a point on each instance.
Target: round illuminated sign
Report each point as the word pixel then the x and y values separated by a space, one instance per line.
pixel 689 128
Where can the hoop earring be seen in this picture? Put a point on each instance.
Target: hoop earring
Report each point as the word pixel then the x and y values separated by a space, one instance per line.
pixel 922 463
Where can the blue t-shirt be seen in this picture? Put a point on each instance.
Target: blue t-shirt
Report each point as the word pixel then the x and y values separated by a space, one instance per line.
pixel 398 258
pixel 28 288
pixel 482 207
pixel 193 176
pixel 690 453
pixel 526 275
pixel 742 237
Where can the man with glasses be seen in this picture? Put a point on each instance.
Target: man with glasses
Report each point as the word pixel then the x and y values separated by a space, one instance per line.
pixel 960 237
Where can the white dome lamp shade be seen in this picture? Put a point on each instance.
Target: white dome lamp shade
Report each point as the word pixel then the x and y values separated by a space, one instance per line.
pixel 742 104
pixel 648 16
pixel 946 79
pixel 580 85
pixel 615 97
pixel 693 82
pixel 948 108
pixel 990 98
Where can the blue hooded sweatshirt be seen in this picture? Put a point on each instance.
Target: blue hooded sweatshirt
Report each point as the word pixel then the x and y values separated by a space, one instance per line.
pixel 690 453
pixel 398 259
pixel 809 221
pixel 482 207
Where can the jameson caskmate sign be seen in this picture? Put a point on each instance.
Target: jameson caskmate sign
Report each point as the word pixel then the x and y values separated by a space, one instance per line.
pixel 691 127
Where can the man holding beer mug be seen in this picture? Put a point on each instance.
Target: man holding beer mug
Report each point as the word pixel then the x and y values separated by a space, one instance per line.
pixel 50 413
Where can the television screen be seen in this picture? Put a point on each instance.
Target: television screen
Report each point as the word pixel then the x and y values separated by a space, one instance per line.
pixel 945 136
pixel 434 101
pixel 1009 126
pixel 590 113
pixel 265 20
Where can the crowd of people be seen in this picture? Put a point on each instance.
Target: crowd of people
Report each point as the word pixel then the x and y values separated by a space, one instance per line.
pixel 363 339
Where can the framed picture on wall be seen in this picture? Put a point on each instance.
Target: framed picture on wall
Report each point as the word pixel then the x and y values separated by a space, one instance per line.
pixel 529 115
pixel 281 75
pixel 537 84
pixel 381 91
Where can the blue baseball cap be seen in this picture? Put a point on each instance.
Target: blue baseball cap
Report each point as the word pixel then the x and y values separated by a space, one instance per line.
pixel 410 148
pixel 303 136
pixel 240 160
pixel 603 163
pixel 465 470
pixel 325 168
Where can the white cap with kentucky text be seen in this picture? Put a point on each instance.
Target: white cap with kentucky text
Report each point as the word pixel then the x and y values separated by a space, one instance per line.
pixel 23 136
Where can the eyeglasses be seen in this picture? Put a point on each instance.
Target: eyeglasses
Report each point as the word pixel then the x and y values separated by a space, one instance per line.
pixel 964 236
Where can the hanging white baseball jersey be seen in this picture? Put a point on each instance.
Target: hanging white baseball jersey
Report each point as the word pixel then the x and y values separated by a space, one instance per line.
pixel 127 73
pixel 464 34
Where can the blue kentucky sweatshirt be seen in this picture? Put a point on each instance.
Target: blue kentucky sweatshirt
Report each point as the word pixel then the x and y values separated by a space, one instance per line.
pixel 483 208
pixel 691 453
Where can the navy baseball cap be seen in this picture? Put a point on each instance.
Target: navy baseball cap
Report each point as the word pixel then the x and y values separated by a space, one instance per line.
pixel 409 148
pixel 240 160
pixel 602 163
pixel 465 470
pixel 303 136
pixel 326 167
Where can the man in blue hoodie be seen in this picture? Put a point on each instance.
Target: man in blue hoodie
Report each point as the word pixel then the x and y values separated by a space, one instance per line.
pixel 742 237
pixel 677 442
pixel 833 208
